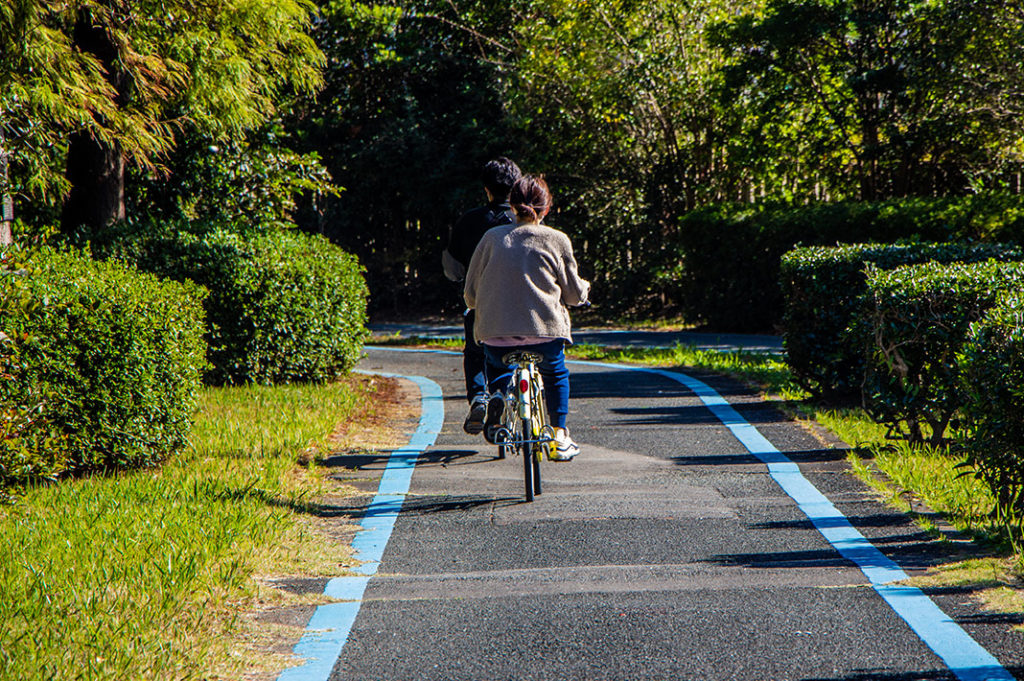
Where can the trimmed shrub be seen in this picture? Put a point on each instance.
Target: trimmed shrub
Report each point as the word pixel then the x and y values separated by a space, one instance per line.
pixel 723 263
pixel 822 290
pixel 916 320
pixel 101 364
pixel 992 369
pixel 283 306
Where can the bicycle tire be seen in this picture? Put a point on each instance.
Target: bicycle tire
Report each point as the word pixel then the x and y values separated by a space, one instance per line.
pixel 537 430
pixel 528 459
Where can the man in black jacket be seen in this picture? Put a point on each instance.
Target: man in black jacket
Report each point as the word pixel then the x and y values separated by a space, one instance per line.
pixel 498 177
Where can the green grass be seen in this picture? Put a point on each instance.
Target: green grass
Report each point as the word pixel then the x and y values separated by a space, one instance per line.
pixel 143 575
pixel 417 341
pixel 760 368
pixel 937 477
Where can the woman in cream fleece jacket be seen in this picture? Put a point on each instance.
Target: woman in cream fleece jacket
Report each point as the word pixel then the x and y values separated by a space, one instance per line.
pixel 521 280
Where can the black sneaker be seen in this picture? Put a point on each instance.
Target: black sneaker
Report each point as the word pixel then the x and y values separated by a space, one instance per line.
pixel 477 411
pixel 495 407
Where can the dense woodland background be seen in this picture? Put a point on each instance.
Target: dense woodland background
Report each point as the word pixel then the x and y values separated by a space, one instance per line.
pixel 366 122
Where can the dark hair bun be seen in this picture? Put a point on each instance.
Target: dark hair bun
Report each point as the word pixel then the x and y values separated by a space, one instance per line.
pixel 530 197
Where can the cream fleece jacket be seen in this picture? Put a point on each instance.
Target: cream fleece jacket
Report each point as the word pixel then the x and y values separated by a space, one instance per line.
pixel 520 280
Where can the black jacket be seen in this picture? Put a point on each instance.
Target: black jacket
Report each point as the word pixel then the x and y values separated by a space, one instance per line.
pixel 470 228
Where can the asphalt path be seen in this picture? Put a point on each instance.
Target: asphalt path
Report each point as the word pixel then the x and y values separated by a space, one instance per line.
pixel 664 551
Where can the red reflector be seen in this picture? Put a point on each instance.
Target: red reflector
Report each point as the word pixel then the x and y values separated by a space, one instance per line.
pixel 524 386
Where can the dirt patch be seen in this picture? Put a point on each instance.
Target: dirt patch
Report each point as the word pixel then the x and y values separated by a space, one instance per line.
pixel 391 410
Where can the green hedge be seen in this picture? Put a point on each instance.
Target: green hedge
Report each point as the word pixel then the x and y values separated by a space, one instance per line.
pixel 722 264
pixel 822 290
pixel 284 306
pixel 916 320
pixel 100 363
pixel 992 367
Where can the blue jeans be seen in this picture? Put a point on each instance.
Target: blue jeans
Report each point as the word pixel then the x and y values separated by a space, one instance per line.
pixel 473 361
pixel 552 370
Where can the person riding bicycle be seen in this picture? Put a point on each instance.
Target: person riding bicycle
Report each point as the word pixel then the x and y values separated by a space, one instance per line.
pixel 497 176
pixel 521 280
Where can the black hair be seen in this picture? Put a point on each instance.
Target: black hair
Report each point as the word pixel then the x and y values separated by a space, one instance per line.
pixel 530 198
pixel 499 175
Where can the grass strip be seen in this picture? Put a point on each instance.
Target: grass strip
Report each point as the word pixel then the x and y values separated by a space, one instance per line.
pixel 760 368
pixel 145 574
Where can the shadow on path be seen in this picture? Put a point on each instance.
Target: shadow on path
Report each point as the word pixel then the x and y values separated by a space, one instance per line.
pixel 929 675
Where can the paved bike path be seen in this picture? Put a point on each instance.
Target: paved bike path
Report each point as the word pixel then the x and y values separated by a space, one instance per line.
pixel 723 342
pixel 664 551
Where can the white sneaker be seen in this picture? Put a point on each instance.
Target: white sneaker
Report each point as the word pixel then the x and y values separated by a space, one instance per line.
pixel 565 449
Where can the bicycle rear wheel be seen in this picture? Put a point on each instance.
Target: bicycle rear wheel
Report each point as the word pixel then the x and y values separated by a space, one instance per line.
pixel 526 449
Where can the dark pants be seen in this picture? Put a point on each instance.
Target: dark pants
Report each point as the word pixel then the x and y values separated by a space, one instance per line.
pixel 552 370
pixel 473 361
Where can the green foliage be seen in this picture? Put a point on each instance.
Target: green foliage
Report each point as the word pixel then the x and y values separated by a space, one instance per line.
pixel 101 366
pixel 822 288
pixel 29 445
pixel 167 65
pixel 634 133
pixel 46 89
pixel 723 264
pixel 915 321
pixel 992 366
pixel 850 99
pixel 283 306
pixel 409 113
pixel 256 181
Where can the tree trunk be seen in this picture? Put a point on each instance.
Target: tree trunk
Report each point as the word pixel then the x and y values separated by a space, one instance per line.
pixel 94 168
pixel 6 236
pixel 6 205
pixel 96 174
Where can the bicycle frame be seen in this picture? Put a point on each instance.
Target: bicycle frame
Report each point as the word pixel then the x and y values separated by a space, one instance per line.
pixel 524 422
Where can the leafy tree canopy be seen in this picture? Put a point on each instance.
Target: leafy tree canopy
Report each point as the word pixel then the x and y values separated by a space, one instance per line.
pixel 881 98
pixel 132 74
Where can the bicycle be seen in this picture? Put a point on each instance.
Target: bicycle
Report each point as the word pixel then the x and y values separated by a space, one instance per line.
pixel 524 426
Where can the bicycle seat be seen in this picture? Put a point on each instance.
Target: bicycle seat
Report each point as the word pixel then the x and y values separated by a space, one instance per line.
pixel 522 357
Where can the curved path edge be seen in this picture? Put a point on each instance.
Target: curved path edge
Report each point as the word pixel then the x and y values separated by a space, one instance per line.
pixel 330 625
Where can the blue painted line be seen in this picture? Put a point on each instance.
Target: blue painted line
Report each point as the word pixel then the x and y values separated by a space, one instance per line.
pixel 968 660
pixel 331 624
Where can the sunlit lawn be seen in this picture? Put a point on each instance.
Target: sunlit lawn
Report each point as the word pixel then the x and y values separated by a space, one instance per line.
pixel 144 575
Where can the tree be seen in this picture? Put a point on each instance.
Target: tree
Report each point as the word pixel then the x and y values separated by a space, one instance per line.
pixel 411 108
pixel 46 89
pixel 254 182
pixel 621 100
pixel 874 98
pixel 104 84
